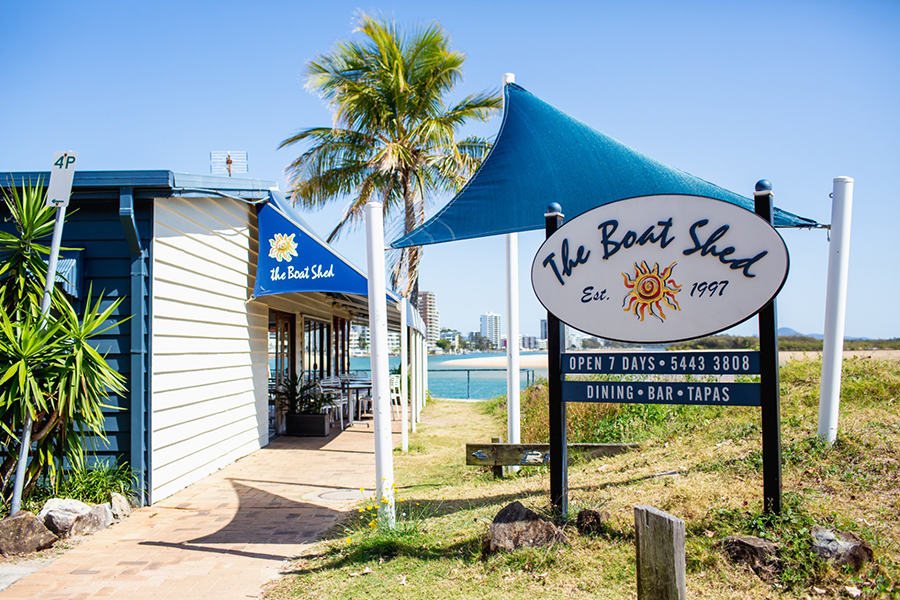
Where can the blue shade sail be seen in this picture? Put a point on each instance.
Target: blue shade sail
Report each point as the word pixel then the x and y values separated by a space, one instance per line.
pixel 292 259
pixel 543 155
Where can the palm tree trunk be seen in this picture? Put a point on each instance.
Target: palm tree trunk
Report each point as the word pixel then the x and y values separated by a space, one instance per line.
pixel 414 253
pixel 6 470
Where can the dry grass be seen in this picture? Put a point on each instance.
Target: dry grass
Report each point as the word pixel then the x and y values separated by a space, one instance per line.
pixel 701 465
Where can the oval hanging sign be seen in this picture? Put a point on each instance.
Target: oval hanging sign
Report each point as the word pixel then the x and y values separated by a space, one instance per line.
pixel 660 268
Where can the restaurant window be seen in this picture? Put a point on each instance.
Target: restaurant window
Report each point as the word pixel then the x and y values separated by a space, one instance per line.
pixel 316 348
pixel 341 345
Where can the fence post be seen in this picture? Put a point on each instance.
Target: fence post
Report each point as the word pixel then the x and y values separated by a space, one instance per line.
pixel 660 555
pixel 498 469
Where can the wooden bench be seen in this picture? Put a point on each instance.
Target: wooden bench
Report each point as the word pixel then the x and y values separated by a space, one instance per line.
pixel 498 455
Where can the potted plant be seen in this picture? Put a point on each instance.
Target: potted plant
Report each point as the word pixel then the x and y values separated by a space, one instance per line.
pixel 307 407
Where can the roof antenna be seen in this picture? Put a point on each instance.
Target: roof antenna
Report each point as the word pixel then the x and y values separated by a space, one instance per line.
pixel 227 161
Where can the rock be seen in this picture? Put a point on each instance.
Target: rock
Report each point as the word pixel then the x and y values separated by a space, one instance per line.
pixel 99 518
pixel 67 517
pixel 60 514
pixel 590 522
pixel 23 533
pixel 841 547
pixel 852 591
pixel 516 526
pixel 121 507
pixel 759 554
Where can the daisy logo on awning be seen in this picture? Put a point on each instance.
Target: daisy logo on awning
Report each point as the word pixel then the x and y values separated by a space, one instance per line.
pixel 282 247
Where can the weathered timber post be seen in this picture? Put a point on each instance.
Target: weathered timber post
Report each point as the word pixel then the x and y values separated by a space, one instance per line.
pixel 497 470
pixel 660 555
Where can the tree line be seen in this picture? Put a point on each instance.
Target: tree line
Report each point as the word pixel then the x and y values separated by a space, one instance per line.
pixel 798 343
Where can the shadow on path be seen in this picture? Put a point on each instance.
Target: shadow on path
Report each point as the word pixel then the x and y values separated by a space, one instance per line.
pixel 261 518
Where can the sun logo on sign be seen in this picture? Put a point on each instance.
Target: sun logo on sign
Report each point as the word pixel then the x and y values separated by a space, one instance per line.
pixel 650 288
pixel 282 247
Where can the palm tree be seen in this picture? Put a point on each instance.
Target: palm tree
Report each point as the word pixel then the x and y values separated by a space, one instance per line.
pixel 393 138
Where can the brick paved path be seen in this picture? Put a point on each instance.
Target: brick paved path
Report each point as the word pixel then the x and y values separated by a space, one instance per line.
pixel 223 537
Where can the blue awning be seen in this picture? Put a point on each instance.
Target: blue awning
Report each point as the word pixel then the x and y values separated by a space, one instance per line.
pixel 543 155
pixel 292 259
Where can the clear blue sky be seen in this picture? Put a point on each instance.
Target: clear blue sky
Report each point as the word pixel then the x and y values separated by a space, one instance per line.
pixel 795 92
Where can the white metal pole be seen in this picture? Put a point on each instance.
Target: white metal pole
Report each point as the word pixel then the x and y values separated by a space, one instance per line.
pixel 413 410
pixel 22 464
pixel 512 337
pixel 424 372
pixel 381 396
pixel 420 380
pixel 512 324
pixel 404 354
pixel 411 390
pixel 835 308
pixel 417 376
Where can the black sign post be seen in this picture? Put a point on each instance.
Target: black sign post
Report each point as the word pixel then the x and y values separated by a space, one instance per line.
pixel 769 379
pixel 559 459
pixel 651 293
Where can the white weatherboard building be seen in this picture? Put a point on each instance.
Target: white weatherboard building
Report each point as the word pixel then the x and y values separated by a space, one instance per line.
pixel 200 352
pixel 490 328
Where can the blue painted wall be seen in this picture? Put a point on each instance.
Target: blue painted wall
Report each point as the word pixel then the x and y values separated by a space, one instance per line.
pixel 93 224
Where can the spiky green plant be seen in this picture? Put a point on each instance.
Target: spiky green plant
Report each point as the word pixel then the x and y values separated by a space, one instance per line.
pixel 48 367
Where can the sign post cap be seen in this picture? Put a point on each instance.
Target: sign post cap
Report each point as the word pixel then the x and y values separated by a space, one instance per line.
pixel 763 186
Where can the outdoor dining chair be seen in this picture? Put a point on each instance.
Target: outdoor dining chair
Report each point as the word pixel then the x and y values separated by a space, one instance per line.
pixel 396 397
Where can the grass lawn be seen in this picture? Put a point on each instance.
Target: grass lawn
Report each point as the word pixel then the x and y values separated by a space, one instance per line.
pixel 702 464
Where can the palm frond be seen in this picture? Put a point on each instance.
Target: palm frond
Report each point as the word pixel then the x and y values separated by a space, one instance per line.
pixel 392 136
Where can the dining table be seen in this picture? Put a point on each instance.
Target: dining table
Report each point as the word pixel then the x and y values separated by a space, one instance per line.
pixel 356 386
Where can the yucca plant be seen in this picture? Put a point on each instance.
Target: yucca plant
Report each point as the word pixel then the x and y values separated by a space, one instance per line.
pixel 48 368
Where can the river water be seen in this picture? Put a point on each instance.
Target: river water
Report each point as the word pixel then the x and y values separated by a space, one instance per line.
pixel 467 383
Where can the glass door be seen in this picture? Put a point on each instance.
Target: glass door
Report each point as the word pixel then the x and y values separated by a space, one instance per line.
pixel 282 364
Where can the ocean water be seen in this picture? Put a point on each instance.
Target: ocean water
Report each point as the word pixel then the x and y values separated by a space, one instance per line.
pixel 468 383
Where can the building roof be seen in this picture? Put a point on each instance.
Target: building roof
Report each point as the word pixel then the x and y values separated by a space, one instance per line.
pixel 157 183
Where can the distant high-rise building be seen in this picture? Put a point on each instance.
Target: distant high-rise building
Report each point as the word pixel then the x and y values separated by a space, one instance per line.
pixel 393 341
pixel 429 313
pixel 490 328
pixel 572 336
pixel 543 329
pixel 359 339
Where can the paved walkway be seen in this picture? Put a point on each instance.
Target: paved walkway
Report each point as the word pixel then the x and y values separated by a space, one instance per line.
pixel 223 537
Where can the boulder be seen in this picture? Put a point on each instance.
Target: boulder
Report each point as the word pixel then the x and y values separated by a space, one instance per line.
pixel 516 526
pixel 67 517
pixel 841 547
pixel 60 514
pixel 98 519
pixel 121 507
pixel 23 533
pixel 590 522
pixel 759 554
